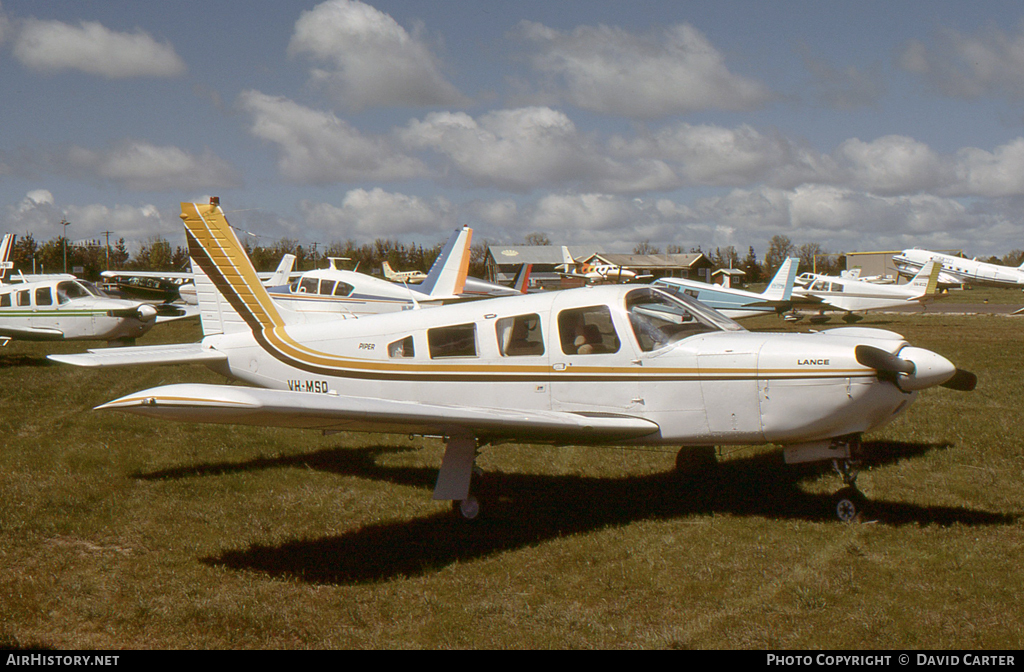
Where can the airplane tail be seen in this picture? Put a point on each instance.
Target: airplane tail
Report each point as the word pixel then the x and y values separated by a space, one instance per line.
pixel 447 277
pixel 389 272
pixel 781 286
pixel 568 263
pixel 521 283
pixel 6 245
pixel 284 269
pixel 927 279
pixel 231 297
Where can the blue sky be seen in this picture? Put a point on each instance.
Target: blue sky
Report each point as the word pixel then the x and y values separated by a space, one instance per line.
pixel 858 126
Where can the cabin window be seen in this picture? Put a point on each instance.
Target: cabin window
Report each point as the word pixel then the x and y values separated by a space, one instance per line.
pixel 326 287
pixel 25 298
pixel 44 297
pixel 342 289
pixel 587 331
pixel 308 286
pixel 519 336
pixel 455 341
pixel 5 300
pixel 402 348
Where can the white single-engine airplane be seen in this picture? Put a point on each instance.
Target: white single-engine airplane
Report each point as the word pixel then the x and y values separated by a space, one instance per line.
pixel 850 295
pixel 737 303
pixel 957 271
pixel 616 364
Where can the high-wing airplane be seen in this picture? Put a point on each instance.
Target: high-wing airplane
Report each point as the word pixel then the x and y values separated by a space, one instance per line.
pixel 169 286
pixel 851 295
pixel 595 272
pixel 402 276
pixel 957 271
pixel 737 303
pixel 70 309
pixel 615 364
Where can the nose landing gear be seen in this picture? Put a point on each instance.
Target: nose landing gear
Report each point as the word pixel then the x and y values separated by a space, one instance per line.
pixel 849 504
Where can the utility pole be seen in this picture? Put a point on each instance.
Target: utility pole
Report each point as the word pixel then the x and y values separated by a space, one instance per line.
pixel 66 224
pixel 107 234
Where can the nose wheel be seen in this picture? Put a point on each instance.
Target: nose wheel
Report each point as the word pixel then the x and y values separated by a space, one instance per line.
pixel 849 504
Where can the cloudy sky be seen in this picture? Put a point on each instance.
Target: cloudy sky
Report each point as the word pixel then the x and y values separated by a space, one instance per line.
pixel 859 126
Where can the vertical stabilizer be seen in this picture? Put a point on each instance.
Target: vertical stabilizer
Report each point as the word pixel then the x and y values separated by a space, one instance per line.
pixel 6 245
pixel 447 277
pixel 230 294
pixel 389 272
pixel 927 279
pixel 521 283
pixel 284 269
pixel 781 286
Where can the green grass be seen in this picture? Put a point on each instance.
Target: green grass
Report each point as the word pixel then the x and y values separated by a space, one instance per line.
pixel 119 531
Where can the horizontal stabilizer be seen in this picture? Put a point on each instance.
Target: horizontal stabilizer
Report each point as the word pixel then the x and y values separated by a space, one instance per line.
pixel 177 353
pixel 223 404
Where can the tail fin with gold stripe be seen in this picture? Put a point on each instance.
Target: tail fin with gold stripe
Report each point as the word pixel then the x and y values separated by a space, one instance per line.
pixel 231 297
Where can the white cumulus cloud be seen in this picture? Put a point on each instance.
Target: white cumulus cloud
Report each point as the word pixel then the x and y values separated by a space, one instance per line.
pixel 90 47
pixel 369 59
pixel 674 70
pixel 367 215
pixel 142 166
pixel 317 147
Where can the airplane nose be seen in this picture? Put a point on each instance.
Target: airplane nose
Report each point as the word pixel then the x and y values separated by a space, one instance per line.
pixel 146 312
pixel 916 368
pixel 929 368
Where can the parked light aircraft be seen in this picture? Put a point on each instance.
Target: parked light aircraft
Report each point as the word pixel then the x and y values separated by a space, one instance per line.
pixel 168 286
pixel 850 295
pixel 616 364
pixel 69 309
pixel 595 272
pixel 737 303
pixel 326 292
pixel 957 271
pixel 402 276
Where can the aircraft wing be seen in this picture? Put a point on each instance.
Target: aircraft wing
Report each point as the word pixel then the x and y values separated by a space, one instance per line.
pixel 176 353
pixel 228 404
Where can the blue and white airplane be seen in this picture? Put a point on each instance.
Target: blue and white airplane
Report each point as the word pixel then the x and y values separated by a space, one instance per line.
pixel 737 303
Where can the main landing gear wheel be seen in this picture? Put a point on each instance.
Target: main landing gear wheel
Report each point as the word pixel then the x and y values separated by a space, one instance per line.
pixel 468 509
pixel 849 504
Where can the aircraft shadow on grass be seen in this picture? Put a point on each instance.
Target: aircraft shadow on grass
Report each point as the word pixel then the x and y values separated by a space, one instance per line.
pixel 524 509
pixel 11 361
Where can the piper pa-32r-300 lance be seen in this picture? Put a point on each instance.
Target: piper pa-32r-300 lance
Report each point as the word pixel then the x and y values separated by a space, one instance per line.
pixel 615 364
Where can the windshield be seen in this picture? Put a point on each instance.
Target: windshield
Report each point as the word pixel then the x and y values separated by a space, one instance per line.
pixel 659 319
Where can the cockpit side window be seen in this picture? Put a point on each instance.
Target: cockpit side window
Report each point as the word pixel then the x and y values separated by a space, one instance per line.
pixel 458 340
pixel 308 286
pixel 44 297
pixel 401 348
pixel 659 319
pixel 69 289
pixel 326 287
pixel 587 331
pixel 519 336
pixel 342 289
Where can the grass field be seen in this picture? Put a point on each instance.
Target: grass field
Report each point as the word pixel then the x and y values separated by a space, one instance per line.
pixel 124 532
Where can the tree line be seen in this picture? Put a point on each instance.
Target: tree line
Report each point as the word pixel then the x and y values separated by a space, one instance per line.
pixel 157 254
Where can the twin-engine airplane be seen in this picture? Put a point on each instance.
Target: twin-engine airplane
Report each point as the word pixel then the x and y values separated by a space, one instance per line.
pixel 595 272
pixel 956 271
pixel 737 303
pixel 850 295
pixel 402 276
pixel 616 364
